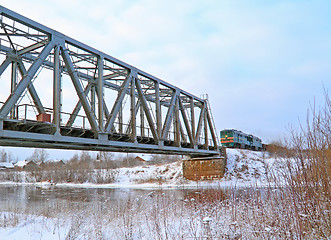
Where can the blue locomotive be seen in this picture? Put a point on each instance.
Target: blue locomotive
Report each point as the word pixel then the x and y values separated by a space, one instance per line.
pixel 237 139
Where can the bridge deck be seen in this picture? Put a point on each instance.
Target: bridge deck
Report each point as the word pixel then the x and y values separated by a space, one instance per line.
pixel 29 133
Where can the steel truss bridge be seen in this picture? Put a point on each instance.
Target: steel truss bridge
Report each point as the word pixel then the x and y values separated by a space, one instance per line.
pixel 57 92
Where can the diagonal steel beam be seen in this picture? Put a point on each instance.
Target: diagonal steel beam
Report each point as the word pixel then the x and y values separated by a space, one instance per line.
pixel 167 121
pixel 79 89
pixel 4 65
pixel 9 39
pixel 118 103
pixel 32 47
pixel 201 118
pixel 26 80
pixel 77 108
pixel 211 129
pixel 31 89
pixel 146 110
pixel 182 133
pixel 186 122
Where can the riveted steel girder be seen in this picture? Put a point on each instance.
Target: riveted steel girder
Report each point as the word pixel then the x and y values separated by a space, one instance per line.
pixel 85 83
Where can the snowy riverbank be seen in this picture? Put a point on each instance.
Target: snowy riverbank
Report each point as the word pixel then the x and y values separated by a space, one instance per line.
pixel 244 169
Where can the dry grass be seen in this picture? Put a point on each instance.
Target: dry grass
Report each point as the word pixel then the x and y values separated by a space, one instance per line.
pixel 306 201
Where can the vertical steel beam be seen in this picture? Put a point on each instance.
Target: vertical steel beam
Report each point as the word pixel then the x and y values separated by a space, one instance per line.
pixel 93 102
pixel 120 119
pixel 100 92
pixel 142 122
pixel 57 89
pixel 158 109
pixel 133 112
pixel 26 81
pixel 79 89
pixel 206 129
pixel 193 120
pixel 13 77
pixel 177 124
pixel 13 85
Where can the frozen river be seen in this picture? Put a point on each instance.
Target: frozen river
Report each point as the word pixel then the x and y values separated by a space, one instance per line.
pixel 31 196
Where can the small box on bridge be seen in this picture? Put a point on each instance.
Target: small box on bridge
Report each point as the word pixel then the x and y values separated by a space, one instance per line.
pixel 44 117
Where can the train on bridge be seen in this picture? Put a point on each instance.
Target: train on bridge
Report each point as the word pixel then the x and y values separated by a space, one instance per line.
pixel 237 139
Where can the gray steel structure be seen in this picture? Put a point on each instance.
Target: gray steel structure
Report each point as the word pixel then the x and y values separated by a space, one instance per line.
pixel 145 115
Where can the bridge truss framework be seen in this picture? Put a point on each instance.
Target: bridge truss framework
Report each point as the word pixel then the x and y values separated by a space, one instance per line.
pixel 117 107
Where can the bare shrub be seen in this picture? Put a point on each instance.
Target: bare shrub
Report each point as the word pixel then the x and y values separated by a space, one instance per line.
pixel 277 149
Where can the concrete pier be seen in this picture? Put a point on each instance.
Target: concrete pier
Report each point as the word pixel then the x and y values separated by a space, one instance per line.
pixel 206 168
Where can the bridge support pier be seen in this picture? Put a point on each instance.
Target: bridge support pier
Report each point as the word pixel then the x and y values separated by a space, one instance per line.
pixel 205 168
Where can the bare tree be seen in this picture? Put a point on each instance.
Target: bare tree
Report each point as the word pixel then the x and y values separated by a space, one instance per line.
pixel 39 156
pixel 106 156
pixel 3 156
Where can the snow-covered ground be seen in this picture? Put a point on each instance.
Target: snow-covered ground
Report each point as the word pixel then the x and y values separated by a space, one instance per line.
pixel 244 168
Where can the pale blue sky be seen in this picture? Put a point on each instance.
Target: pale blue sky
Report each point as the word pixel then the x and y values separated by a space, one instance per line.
pixel 261 62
